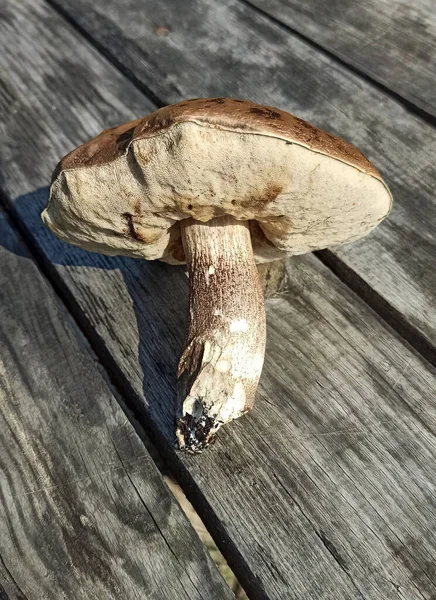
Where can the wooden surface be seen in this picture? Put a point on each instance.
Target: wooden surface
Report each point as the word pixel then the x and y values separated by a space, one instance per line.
pixel 227 49
pixel 391 41
pixel 84 512
pixel 327 490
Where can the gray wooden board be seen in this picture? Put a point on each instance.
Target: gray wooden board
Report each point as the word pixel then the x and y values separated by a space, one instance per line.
pixel 392 41
pixel 84 513
pixel 227 49
pixel 327 489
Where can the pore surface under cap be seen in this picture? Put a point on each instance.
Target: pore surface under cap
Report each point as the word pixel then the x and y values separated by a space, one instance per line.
pixel 125 191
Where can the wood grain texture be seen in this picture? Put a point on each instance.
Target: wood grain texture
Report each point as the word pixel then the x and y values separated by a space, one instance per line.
pixel 84 511
pixel 228 49
pixel 392 41
pixel 326 490
pixel 273 278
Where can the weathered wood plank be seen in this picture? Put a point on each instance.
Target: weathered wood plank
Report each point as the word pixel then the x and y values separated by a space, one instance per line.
pixel 84 511
pixel 327 489
pixel 394 42
pixel 6 581
pixel 227 49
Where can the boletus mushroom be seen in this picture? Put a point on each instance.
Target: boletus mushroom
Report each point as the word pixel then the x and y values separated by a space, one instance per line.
pixel 218 184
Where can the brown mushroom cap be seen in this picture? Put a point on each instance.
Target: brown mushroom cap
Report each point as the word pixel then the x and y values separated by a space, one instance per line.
pixel 303 189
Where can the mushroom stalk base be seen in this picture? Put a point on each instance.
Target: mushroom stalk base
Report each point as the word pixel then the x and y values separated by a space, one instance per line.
pixel 220 367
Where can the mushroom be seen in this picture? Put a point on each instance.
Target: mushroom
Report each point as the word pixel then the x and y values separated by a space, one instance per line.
pixel 219 184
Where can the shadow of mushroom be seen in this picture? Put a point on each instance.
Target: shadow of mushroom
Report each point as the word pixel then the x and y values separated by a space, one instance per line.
pixel 155 292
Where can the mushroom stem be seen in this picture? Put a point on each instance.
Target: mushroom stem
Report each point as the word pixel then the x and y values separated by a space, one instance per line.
pixel 220 367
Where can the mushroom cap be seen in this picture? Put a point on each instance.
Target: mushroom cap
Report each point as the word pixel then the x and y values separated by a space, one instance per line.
pixel 302 189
